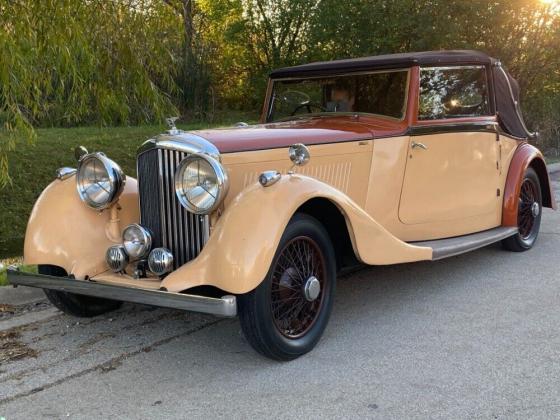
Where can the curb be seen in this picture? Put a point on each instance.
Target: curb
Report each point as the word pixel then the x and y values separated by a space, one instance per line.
pixel 17 296
pixel 553 168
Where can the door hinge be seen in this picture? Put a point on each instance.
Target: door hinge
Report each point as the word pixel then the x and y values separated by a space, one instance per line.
pixel 498 192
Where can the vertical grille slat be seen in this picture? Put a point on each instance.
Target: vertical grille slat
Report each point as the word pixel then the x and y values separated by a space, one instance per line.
pixel 172 226
pixel 180 227
pixel 191 234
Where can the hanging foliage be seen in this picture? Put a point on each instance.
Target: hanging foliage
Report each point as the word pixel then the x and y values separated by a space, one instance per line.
pixel 67 62
pixel 119 62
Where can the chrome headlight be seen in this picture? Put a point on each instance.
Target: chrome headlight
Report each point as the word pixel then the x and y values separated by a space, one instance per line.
pixel 100 181
pixel 201 183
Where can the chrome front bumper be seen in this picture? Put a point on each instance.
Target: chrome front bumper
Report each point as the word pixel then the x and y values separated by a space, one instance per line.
pixel 225 306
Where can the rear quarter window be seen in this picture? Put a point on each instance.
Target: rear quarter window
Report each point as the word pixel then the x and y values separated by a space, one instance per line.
pixel 453 92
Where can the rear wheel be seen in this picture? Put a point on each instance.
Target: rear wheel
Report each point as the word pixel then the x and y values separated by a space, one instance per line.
pixel 528 216
pixel 73 304
pixel 285 316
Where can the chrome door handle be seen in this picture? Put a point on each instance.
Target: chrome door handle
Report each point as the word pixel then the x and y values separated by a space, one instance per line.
pixel 419 145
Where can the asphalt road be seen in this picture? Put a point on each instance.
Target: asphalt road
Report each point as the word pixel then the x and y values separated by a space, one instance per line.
pixel 475 336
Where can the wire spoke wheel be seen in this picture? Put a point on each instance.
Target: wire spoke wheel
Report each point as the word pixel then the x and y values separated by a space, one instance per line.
pixel 285 316
pixel 529 208
pixel 298 281
pixel 529 214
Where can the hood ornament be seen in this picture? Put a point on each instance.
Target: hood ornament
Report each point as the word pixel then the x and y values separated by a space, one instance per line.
pixel 171 124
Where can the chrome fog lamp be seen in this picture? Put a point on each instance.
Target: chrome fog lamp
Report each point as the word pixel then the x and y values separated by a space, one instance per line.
pixel 99 180
pixel 116 258
pixel 201 183
pixel 160 261
pixel 137 241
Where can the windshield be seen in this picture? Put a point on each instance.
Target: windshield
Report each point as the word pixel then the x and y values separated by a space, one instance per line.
pixel 380 93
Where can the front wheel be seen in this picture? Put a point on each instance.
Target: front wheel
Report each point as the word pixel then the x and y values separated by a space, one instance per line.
pixel 73 304
pixel 528 216
pixel 285 316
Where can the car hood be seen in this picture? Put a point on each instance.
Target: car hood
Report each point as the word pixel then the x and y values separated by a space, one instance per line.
pixel 283 134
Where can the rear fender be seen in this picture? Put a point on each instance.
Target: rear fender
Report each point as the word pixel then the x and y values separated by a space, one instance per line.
pixel 243 242
pixel 525 156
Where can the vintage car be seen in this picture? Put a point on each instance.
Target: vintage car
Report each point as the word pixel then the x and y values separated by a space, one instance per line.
pixel 372 161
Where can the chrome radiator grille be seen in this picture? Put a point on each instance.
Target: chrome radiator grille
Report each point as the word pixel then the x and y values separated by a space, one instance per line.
pixel 172 226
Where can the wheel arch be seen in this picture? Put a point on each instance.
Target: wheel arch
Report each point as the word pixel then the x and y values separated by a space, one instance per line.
pixel 539 166
pixel 333 219
pixel 526 156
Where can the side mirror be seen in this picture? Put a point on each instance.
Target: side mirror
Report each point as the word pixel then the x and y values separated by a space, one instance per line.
pixel 299 154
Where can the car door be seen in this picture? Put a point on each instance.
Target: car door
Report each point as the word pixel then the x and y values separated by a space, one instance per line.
pixel 452 169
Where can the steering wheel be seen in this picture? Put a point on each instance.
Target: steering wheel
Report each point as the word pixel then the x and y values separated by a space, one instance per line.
pixel 309 105
pixel 295 97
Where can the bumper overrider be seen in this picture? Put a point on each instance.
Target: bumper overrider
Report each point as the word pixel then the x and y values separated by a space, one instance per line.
pixel 225 306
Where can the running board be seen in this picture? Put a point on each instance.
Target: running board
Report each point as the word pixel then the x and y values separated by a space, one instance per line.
pixel 449 247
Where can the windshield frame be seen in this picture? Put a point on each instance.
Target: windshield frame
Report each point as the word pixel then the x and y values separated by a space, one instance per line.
pixel 270 97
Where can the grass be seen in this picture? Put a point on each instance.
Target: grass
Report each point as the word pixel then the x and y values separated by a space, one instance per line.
pixel 3 278
pixel 4 264
pixel 32 167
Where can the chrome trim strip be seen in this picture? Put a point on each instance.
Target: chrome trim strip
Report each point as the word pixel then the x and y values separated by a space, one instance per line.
pixel 225 306
pixel 180 226
pixel 200 233
pixel 451 127
pixel 183 142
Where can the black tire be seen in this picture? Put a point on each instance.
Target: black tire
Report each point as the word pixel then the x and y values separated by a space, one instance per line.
pixel 73 304
pixel 529 214
pixel 288 334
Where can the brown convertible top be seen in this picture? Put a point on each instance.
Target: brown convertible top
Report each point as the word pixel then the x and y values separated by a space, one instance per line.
pixel 389 61
pixel 506 89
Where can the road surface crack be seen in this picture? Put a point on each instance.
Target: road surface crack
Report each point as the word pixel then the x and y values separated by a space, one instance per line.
pixel 110 364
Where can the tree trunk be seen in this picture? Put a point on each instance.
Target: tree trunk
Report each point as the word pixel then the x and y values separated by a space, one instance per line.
pixel 189 64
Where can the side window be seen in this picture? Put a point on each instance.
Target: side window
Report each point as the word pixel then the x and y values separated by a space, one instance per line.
pixel 453 92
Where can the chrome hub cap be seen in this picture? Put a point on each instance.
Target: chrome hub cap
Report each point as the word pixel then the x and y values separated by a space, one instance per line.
pixel 535 209
pixel 312 288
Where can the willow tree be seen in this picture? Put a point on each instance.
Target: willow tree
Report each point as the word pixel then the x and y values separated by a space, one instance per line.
pixel 70 62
